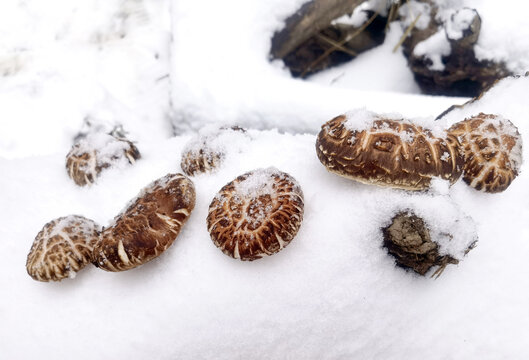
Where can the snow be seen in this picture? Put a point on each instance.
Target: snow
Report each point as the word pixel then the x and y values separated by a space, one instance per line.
pixel 108 149
pixel 459 22
pixel 377 69
pixel 333 293
pixel 212 141
pixel 111 58
pixel 356 19
pixel 244 89
pixel 257 182
pixel 415 11
pixel 434 48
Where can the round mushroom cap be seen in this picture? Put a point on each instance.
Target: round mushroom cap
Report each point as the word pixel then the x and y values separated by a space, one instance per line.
pixel 148 226
pixel 207 151
pixel 492 147
pixel 95 152
pixel 63 247
pixel 380 150
pixel 257 214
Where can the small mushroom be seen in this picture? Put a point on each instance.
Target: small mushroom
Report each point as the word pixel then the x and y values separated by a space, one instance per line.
pixel 408 239
pixel 257 214
pixel 95 152
pixel 386 151
pixel 206 152
pixel 492 149
pixel 62 248
pixel 148 226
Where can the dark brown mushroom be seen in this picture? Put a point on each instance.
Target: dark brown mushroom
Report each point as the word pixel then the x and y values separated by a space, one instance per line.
pixel 148 226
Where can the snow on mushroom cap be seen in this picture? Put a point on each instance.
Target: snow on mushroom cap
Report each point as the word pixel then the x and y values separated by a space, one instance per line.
pixel 258 182
pixel 63 247
pixel 207 150
pixel 459 22
pixel 108 148
pixel 256 215
pixel 362 119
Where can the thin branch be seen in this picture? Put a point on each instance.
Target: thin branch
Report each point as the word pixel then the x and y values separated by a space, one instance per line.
pixel 346 39
pixel 406 33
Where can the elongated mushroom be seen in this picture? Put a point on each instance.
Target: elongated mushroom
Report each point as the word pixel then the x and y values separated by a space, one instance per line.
pixel 148 226
pixel 387 151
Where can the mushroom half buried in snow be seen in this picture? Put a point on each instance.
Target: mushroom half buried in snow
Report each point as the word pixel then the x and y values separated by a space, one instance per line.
pixel 387 151
pixel 493 151
pixel 62 248
pixel 410 241
pixel 95 152
pixel 256 215
pixel 148 226
pixel 206 151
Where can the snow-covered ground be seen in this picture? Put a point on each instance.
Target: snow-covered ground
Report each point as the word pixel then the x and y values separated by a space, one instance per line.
pixel 333 293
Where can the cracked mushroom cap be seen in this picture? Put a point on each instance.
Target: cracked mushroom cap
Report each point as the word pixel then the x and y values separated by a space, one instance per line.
pixel 206 152
pixel 492 147
pixel 63 247
pixel 95 152
pixel 386 151
pixel 256 215
pixel 148 226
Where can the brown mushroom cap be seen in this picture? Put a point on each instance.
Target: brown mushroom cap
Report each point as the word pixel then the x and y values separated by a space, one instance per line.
pixel 63 247
pixel 493 151
pixel 256 215
pixel 148 226
pixel 98 151
pixel 206 152
pixel 387 152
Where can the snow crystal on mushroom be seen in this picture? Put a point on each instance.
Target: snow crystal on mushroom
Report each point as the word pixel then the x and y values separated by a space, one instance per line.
pixel 206 151
pixel 96 152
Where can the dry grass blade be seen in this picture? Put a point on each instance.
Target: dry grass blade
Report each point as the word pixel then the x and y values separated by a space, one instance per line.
pixel 393 13
pixel 406 33
pixel 336 45
pixel 340 44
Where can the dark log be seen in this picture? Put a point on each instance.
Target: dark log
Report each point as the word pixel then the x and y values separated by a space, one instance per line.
pixel 312 17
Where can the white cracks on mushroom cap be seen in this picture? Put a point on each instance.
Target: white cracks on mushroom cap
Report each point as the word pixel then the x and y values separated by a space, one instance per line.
pixel 256 215
pixel 148 226
pixel 63 247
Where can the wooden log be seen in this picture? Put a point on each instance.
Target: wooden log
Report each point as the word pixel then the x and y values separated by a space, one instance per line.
pixel 312 17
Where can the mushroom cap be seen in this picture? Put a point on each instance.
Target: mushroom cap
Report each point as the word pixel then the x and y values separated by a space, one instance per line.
pixel 95 152
pixel 63 247
pixel 387 152
pixel 492 148
pixel 206 152
pixel 257 214
pixel 148 226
